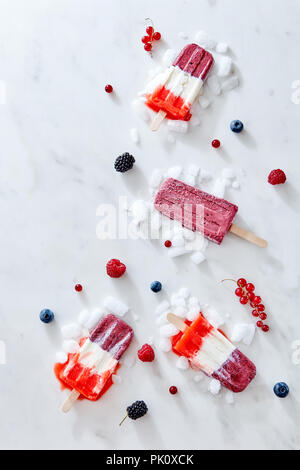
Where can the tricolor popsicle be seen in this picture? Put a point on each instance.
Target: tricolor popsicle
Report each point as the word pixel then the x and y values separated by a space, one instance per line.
pixel 88 371
pixel 209 350
pixel 200 211
pixel 172 92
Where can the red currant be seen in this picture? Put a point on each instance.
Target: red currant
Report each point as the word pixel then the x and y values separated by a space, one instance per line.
pixel 244 300
pixel 241 282
pixel 251 296
pixel 216 144
pixel 157 36
pixel 148 46
pixel 263 316
pixel 146 39
pixel 250 287
pixel 261 308
pixel 256 300
pixel 150 30
pixel 173 390
pixel 260 324
pixel 239 292
pixel 78 287
pixel 255 313
pixel 109 89
pixel 168 243
pixel 265 328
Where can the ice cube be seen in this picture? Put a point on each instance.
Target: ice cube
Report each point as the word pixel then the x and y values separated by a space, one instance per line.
pixel 174 172
pixel 180 312
pixel 166 331
pixel 219 187
pixel 193 313
pixel 198 257
pixel 71 331
pixel 243 332
pixel 214 317
pixel 214 85
pixel 178 241
pixel 156 178
pixel 224 66
pixel 139 210
pixel 204 40
pixel 214 386
pixel 94 318
pixel 182 363
pixel 141 110
pixel 222 48
pixel 61 357
pixel 178 126
pixel 168 57
pixel 115 306
pixel 184 292
pixel 165 344
pixel 230 83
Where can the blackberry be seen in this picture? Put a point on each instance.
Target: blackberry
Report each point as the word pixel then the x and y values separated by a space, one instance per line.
pixel 136 410
pixel 124 162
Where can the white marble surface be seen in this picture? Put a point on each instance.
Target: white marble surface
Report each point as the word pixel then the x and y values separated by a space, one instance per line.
pixel 60 134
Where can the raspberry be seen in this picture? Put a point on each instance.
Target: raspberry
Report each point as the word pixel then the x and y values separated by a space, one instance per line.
pixel 115 268
pixel 277 177
pixel 146 353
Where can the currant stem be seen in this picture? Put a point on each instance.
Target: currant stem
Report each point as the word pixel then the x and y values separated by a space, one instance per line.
pixel 149 19
pixel 123 420
pixel 233 280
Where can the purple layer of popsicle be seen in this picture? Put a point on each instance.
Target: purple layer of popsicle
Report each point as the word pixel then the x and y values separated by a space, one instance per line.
pixel 195 209
pixel 113 335
pixel 194 60
pixel 236 373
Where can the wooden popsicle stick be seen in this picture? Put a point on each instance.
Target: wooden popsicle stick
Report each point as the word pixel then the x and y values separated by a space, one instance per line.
pixel 242 233
pixel 177 322
pixel 69 402
pixel 155 124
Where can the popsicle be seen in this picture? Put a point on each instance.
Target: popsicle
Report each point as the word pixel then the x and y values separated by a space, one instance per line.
pixel 200 211
pixel 88 371
pixel 210 351
pixel 172 92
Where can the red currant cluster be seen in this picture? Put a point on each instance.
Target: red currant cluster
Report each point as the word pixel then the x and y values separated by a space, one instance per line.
pixel 151 36
pixel 245 292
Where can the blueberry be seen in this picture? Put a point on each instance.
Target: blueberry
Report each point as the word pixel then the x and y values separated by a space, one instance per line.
pixel 236 126
pixel 156 286
pixel 281 390
pixel 46 315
